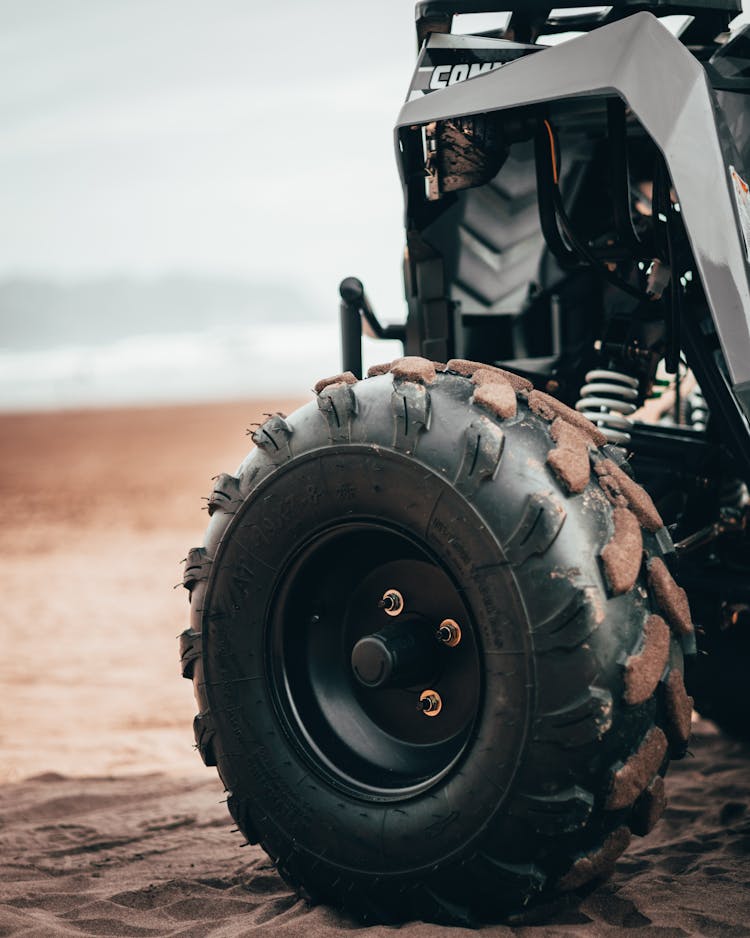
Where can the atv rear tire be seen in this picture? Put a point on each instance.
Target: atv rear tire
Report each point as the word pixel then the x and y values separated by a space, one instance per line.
pixel 483 502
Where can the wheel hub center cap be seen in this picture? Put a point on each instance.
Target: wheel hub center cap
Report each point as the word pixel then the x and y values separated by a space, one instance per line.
pixel 398 655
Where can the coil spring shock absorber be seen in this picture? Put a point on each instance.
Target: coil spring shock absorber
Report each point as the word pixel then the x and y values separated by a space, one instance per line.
pixel 608 398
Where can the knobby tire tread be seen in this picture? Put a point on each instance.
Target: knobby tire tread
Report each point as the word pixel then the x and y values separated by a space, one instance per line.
pixel 579 830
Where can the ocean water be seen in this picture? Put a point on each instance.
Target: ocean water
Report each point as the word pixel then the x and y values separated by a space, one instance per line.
pixel 284 359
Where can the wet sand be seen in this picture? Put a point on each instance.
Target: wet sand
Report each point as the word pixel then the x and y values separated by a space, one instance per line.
pixel 109 824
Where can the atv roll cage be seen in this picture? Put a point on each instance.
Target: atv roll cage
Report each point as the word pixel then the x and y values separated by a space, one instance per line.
pixel 529 20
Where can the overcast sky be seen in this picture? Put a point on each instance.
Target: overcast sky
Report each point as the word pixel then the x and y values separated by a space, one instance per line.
pixel 230 136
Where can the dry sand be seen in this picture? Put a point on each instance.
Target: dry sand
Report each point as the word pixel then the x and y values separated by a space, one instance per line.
pixel 109 824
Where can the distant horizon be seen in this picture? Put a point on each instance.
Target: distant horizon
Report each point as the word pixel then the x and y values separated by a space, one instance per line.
pixel 179 338
pixel 46 312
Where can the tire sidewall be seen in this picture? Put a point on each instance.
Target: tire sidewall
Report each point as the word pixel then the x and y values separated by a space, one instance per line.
pixel 292 803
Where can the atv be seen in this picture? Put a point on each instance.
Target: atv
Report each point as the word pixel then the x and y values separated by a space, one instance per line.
pixel 438 631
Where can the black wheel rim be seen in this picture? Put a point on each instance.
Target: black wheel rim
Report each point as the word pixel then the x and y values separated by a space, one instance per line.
pixel 374 742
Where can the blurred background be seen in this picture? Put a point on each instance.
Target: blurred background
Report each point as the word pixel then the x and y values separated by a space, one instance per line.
pixel 182 187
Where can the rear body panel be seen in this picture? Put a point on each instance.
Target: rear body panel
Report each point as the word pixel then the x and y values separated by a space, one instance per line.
pixel 638 59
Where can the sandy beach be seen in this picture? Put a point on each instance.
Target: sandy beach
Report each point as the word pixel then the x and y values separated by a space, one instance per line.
pixel 109 823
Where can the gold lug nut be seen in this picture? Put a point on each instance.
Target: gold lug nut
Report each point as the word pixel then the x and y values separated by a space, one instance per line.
pixel 430 703
pixel 392 603
pixel 449 633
